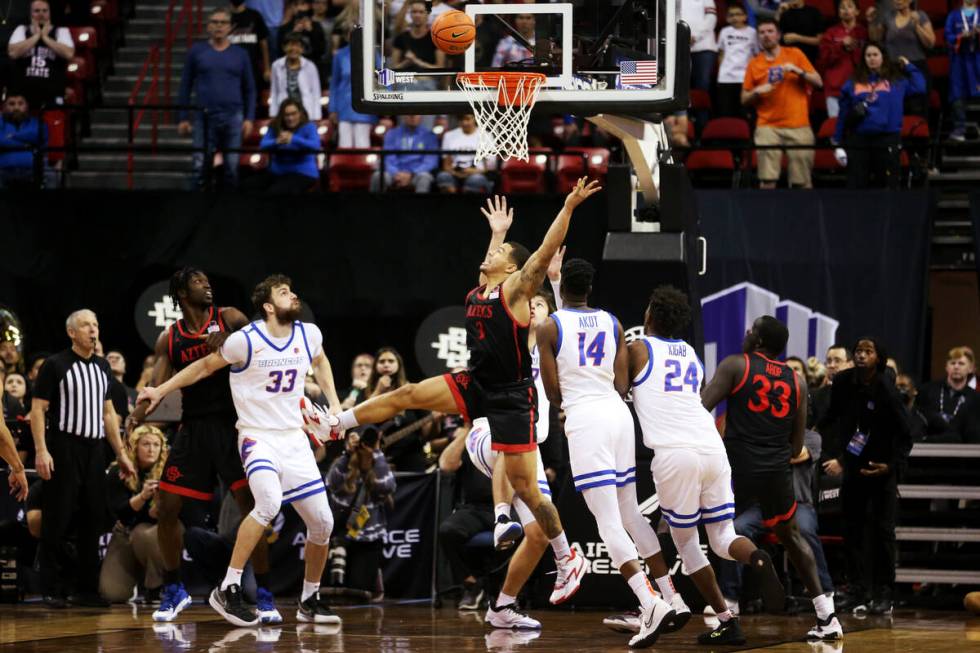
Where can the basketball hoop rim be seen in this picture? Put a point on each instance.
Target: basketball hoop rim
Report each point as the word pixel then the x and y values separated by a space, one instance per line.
pixel 506 80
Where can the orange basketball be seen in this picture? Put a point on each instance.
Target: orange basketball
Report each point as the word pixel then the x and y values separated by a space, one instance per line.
pixel 972 602
pixel 453 32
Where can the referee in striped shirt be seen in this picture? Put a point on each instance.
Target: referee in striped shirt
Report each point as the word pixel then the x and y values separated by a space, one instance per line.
pixel 72 392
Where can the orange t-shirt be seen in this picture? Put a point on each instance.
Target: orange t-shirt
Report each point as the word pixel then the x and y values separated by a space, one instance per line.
pixel 786 104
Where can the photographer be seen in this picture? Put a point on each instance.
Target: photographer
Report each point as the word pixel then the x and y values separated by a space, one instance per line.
pixel 874 440
pixel 871 111
pixel 361 490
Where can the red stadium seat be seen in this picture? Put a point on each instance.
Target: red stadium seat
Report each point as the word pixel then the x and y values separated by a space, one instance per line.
pixel 57 124
pixel 105 11
pixel 253 161
pixel 827 127
pixel 350 172
pixel 714 160
pixel 726 130
pixel 84 38
pixel 935 101
pixel 938 66
pixel 518 176
pixel 935 9
pixel 260 127
pixel 326 131
pixel 915 127
pixel 576 162
pixel 700 100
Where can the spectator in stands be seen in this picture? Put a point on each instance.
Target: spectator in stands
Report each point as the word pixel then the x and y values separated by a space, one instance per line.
pixel 801 26
pixel 323 19
pixel 413 170
pixel 40 53
pixel 10 350
pixel 19 135
pixel 776 84
pixel 701 16
pixel 133 558
pixel 414 51
pixel 905 33
pixel 347 20
pixel 362 490
pixel 816 373
pixel 950 406
pixel 759 10
pixel 917 420
pixel 874 438
pixel 750 524
pixel 292 141
pixel 871 112
pixel 14 396
pixel 220 76
pixel 509 49
pixel 360 374
pixel 353 128
pixel 272 13
pixel 472 514
pixel 962 33
pixel 737 44
pixel 296 78
pixel 460 170
pixel 301 23
pixel 249 32
pixel 117 363
pixel 840 51
pixel 34 366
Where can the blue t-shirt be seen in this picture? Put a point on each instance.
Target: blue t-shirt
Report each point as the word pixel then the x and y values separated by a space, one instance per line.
pixel 221 80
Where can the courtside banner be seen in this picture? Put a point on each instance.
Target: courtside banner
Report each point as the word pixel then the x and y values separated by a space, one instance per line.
pixel 406 556
pixel 856 258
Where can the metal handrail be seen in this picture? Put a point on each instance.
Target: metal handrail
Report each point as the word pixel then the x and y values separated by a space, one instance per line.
pixel 152 63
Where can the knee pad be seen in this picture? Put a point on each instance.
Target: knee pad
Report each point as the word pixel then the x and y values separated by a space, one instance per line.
pixel 720 536
pixel 689 548
pixel 647 542
pixel 268 498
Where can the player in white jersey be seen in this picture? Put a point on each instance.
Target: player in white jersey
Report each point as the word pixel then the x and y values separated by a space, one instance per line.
pixel 270 359
pixel 584 367
pixel 690 466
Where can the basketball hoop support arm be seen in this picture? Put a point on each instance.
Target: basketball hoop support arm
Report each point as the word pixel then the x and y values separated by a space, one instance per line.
pixel 644 141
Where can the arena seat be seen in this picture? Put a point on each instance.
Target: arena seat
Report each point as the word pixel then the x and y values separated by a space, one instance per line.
pixel 350 172
pixel 710 167
pixel 700 100
pixel 86 44
pixel 79 75
pixel 938 66
pixel 576 162
pixel 260 127
pixel 57 124
pixel 252 162
pixel 825 164
pixel 326 132
pixel 518 176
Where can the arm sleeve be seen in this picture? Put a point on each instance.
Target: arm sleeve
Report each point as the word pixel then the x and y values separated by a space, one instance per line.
pixel 276 95
pixel 268 141
pixel 119 496
pixel 46 384
pixel 236 350
pixel 63 36
pixel 846 102
pixel 749 82
pixel 385 479
pixel 917 82
pixel 830 48
pixel 335 477
pixel 19 35
pixel 813 443
pixel 556 289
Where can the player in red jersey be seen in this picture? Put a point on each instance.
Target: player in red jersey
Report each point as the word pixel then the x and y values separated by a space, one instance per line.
pixel 764 425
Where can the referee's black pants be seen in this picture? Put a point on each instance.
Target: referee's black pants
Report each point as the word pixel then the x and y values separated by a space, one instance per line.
pixel 870 507
pixel 73 500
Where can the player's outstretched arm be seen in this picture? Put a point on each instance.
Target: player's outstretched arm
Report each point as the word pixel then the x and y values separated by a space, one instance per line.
pixel 500 218
pixel 547 338
pixel 727 376
pixel 323 373
pixel 523 284
pixel 190 375
pixel 161 372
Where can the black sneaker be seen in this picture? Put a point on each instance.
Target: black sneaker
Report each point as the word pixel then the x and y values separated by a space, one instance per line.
pixel 728 632
pixel 881 607
pixel 315 610
pixel 773 594
pixel 230 605
pixel 472 597
pixel 55 602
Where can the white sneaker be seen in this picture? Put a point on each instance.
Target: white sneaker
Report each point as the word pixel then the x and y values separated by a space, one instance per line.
pixel 652 619
pixel 827 629
pixel 508 616
pixel 570 569
pixel 324 426
pixel 506 533
pixel 682 614
pixel 628 622
pixel 732 605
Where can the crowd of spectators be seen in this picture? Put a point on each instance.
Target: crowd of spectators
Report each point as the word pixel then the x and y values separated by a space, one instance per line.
pixel 865 417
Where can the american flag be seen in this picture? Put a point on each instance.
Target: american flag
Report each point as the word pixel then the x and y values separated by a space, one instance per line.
pixel 637 72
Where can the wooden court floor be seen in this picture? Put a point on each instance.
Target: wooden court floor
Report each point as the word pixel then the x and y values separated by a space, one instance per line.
pixel 405 628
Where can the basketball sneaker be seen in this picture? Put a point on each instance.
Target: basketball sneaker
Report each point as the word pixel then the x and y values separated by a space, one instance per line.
pixel 506 532
pixel 316 610
pixel 324 426
pixel 508 616
pixel 507 640
pixel 230 604
pixel 727 632
pixel 732 605
pixel 267 607
pixel 570 570
pixel 773 594
pixel 652 622
pixel 628 622
pixel 173 599
pixel 233 640
pixel 827 629
pixel 682 614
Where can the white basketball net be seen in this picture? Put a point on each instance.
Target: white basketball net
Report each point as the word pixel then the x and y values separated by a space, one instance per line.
pixel 502 112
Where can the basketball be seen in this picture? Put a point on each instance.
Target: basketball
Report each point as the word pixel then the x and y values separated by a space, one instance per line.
pixel 972 602
pixel 453 32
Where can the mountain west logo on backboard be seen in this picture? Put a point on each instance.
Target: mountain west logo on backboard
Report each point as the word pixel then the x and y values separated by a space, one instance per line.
pixel 386 77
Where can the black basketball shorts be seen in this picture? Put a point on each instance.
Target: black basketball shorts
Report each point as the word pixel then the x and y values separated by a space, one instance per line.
pixel 204 449
pixel 771 490
pixel 512 410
